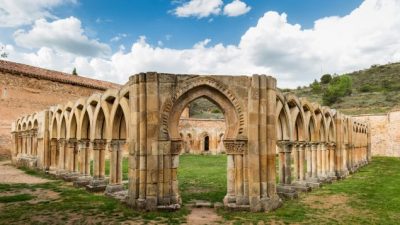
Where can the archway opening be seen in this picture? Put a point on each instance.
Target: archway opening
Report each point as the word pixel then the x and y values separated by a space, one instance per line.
pixel 202 172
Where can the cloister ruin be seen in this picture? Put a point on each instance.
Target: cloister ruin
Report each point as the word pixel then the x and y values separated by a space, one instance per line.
pixel 310 144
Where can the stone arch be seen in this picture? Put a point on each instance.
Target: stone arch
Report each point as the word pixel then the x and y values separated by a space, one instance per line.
pixel 100 124
pixel 73 127
pixel 297 114
pixel 320 131
pixel 85 126
pixel 284 128
pixel 63 128
pixel 216 96
pixel 214 91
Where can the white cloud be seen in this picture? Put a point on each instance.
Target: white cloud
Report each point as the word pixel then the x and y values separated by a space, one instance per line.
pixel 199 8
pixel 64 35
pixel 14 13
pixel 118 37
pixel 368 35
pixel 236 8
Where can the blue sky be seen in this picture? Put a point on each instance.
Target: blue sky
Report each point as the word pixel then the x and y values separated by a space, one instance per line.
pixel 295 41
pixel 153 19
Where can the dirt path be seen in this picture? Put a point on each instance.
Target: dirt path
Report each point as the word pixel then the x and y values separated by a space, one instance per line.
pixel 12 175
pixel 203 216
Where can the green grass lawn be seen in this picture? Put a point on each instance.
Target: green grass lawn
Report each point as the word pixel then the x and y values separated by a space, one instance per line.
pixel 370 196
pixel 202 177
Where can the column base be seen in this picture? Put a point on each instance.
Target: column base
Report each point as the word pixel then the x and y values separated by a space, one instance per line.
pixel 301 186
pixel 71 176
pixel 112 188
pixel 342 174
pixel 287 191
pixel 97 185
pixel 313 183
pixel 332 176
pixel 83 181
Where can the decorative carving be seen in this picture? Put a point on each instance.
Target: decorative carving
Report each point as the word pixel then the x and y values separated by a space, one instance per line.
pixel 176 147
pixel 235 146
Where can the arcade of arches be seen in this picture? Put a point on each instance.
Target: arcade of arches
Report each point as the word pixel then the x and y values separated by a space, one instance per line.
pixel 264 130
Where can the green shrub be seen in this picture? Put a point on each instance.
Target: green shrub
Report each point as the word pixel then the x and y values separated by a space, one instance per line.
pixel 316 87
pixel 365 88
pixel 339 87
pixel 326 79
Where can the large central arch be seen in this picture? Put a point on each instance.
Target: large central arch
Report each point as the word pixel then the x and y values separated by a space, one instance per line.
pixel 248 104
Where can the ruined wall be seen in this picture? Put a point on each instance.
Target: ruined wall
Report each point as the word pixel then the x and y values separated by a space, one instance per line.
pixel 23 93
pixel 193 132
pixel 385 133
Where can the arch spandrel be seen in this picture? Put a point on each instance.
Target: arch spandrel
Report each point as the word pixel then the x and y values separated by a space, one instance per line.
pixel 283 119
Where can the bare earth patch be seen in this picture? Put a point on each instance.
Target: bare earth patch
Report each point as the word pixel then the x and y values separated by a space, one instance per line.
pixel 202 216
pixel 325 202
pixel 12 175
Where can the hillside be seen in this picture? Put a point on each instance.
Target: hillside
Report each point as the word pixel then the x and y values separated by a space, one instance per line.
pixel 374 90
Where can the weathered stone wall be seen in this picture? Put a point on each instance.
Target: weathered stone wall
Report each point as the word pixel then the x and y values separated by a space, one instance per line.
pixel 23 93
pixel 385 133
pixel 193 132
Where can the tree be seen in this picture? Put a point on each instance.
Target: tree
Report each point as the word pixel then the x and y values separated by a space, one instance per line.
pixel 326 79
pixel 316 87
pixel 3 53
pixel 74 72
pixel 339 87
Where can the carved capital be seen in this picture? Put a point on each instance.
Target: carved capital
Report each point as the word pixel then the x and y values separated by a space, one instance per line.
pixel 99 144
pixel 235 146
pixel 176 146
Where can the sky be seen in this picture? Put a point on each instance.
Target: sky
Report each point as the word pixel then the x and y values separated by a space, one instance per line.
pixel 294 41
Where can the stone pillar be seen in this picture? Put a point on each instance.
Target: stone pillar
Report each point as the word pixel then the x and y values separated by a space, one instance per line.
pixel 309 159
pixel 281 157
pixel 53 154
pixel 323 160
pixel 99 183
pixel 62 160
pixel 314 169
pixel 295 153
pixel 301 149
pixel 115 167
pixel 285 162
pixel 29 143
pixel 332 157
pixel 35 142
pixel 84 167
pixel 70 155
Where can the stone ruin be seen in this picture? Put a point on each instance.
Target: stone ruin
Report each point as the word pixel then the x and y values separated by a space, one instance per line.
pixel 310 144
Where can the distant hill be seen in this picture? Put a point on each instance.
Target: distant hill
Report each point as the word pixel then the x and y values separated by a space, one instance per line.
pixel 374 90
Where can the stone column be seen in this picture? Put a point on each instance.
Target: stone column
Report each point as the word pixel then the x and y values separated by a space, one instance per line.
pixel 29 143
pixel 62 166
pixel 35 143
pixel 288 162
pixel 323 160
pixel 19 147
pixel 295 152
pixel 281 151
pixel 84 166
pixel 69 156
pixel 332 157
pixel 319 159
pixel 309 159
pixel 230 195
pixel 53 154
pixel 99 183
pixel 314 169
pixel 115 167
pixel 301 149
